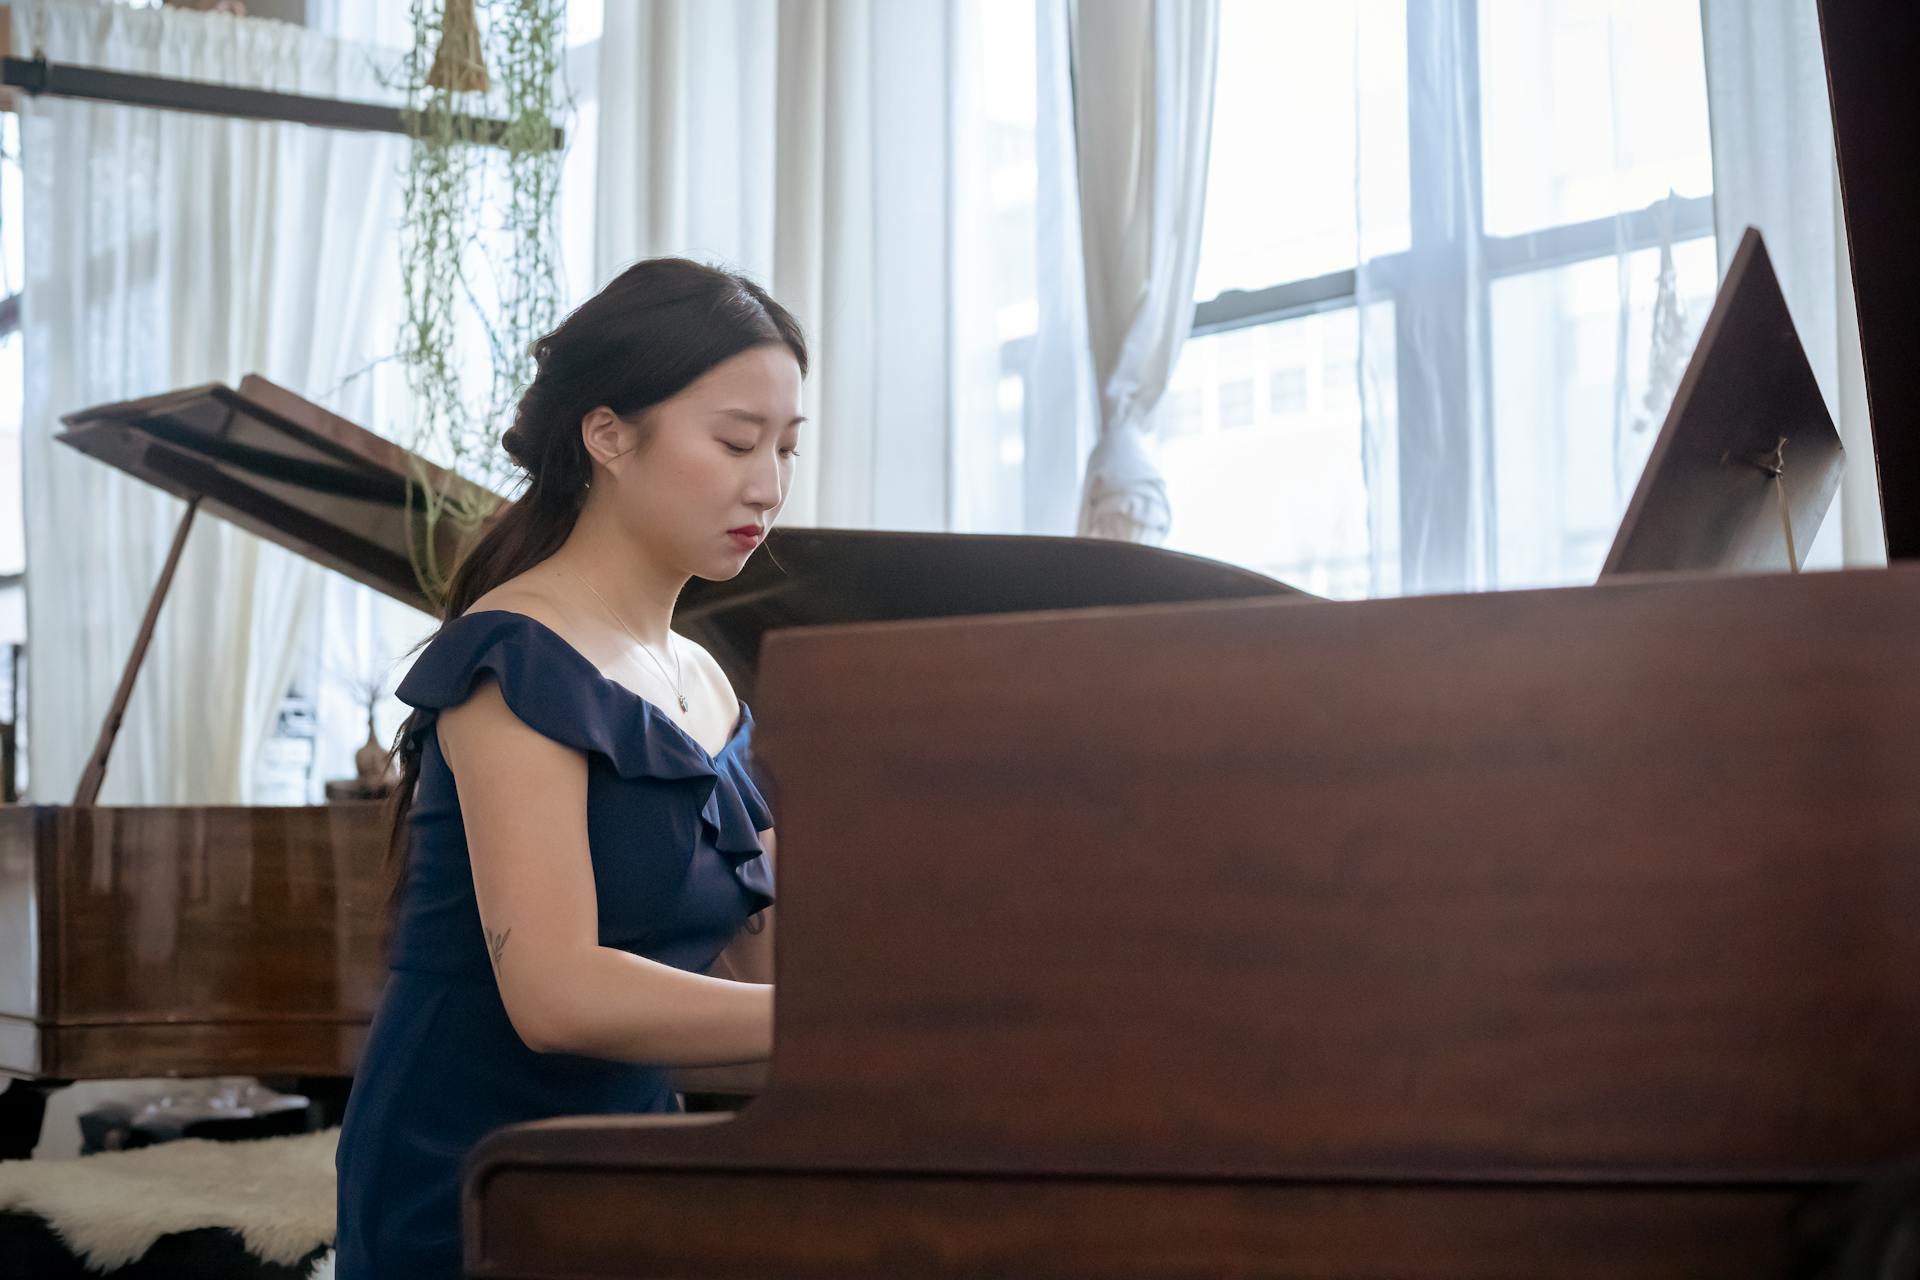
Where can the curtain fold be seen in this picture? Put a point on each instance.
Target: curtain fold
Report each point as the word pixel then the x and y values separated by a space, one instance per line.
pixel 807 144
pixel 167 249
pixel 1774 168
pixel 1423 289
pixel 1143 85
pixel 685 155
pixel 1022 404
pixel 903 176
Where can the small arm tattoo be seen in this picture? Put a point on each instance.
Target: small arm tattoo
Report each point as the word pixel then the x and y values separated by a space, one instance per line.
pixel 755 923
pixel 497 943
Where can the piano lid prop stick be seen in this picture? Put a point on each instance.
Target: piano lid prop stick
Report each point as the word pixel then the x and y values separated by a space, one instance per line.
pixel 96 771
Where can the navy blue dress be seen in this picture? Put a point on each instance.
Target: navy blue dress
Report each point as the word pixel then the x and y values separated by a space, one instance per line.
pixel 677 867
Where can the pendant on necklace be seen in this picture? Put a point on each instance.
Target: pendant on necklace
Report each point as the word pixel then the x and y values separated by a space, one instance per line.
pixel 683 700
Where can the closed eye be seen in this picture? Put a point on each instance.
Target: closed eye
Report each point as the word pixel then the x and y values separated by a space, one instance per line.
pixel 742 450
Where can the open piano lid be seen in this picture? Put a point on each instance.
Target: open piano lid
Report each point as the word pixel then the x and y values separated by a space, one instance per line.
pixel 284 468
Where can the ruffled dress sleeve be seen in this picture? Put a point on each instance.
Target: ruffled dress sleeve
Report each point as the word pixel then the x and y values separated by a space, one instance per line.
pixel 561 695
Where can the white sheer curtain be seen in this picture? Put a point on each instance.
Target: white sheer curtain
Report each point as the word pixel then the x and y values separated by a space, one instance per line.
pixel 1024 411
pixel 685 156
pixel 1143 87
pixel 1422 276
pixel 1529 289
pixel 1773 168
pixel 1426 356
pixel 807 143
pixel 167 249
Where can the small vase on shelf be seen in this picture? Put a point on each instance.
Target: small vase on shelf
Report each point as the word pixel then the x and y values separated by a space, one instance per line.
pixel 374 766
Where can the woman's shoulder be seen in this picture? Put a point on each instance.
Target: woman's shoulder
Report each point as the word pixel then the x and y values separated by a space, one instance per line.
pixel 517 629
pixel 509 647
pixel 542 599
pixel 530 596
pixel 530 612
pixel 529 644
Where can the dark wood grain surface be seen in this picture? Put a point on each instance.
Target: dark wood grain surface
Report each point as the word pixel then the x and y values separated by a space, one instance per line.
pixel 190 941
pixel 832 1226
pixel 1589 888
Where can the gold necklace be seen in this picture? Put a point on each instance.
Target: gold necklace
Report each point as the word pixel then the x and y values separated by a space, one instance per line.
pixel 674 679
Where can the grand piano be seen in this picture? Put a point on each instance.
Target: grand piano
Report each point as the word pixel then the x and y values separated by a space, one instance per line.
pixel 1551 933
pixel 208 940
pixel 1142 919
pixel 241 940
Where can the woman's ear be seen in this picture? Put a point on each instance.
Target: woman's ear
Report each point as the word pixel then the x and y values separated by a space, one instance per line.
pixel 609 438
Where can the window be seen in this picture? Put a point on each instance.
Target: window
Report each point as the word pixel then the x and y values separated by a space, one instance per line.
pixel 1236 403
pixel 1284 492
pixel 13 558
pixel 1289 391
pixel 1585 149
pixel 1183 417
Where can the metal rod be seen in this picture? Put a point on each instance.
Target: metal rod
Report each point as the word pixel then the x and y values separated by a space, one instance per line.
pixel 39 77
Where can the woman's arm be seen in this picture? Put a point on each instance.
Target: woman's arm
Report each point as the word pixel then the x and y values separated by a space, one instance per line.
pixel 523 798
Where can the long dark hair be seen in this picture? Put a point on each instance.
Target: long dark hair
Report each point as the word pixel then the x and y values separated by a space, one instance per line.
pixel 655 329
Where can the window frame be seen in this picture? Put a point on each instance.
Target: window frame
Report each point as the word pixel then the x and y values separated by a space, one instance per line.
pixel 1435 475
pixel 1542 250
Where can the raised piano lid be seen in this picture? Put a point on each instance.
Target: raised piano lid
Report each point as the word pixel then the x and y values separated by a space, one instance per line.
pixel 281 467
pixel 288 470
pixel 297 475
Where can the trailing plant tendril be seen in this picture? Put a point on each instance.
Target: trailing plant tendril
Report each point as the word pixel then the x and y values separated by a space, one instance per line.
pixel 474 203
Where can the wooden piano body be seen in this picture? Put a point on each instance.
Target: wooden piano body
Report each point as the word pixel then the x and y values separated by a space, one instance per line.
pixel 1562 933
pixel 208 940
pixel 188 940
pixel 1553 933
pixel 1565 932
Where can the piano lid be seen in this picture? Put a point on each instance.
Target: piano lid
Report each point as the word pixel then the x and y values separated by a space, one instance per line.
pixel 293 473
pixel 814 577
pixel 281 467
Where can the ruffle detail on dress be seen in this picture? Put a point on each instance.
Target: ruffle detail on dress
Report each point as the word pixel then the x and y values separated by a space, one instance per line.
pixel 602 717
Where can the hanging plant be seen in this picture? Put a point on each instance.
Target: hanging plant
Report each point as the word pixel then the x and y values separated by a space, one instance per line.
pixel 478 256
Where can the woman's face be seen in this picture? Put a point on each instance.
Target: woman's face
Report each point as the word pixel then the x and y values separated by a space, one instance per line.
pixel 708 470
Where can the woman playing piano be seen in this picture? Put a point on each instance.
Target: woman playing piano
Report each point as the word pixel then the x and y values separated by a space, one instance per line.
pixel 584 861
